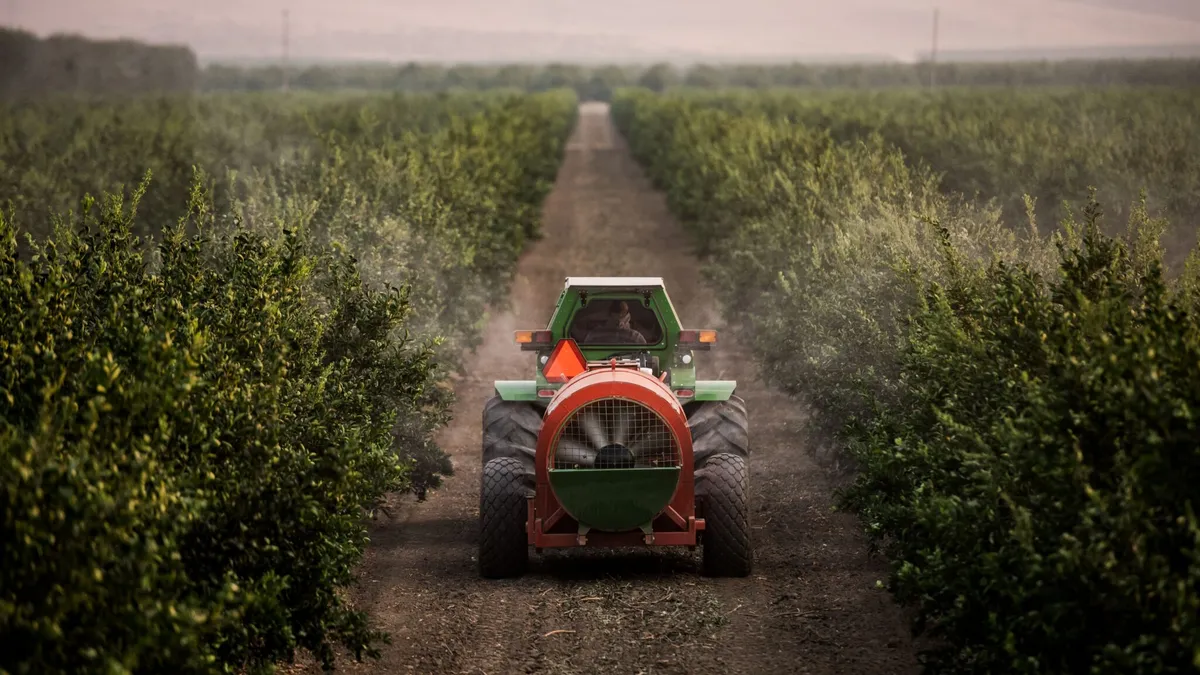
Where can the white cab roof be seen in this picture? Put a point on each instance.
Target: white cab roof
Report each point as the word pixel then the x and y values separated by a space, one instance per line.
pixel 614 282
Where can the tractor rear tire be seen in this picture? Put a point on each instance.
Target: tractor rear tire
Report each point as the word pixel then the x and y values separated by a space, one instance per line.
pixel 718 427
pixel 723 486
pixel 503 543
pixel 510 429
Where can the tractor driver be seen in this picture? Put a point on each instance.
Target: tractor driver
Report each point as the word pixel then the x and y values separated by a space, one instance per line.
pixel 618 329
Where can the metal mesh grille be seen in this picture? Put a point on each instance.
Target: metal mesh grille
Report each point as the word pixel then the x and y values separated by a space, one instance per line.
pixel 614 433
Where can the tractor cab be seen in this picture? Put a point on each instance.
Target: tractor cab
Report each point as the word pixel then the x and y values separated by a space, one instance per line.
pixel 618 327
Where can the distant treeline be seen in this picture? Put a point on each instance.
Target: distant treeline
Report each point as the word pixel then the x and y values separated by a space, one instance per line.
pixel 30 65
pixel 72 64
pixel 598 82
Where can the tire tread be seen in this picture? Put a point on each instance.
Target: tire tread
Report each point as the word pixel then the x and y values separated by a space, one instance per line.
pixel 723 487
pixel 503 543
pixel 719 427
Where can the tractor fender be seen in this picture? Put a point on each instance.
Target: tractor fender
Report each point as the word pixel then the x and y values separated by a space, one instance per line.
pixel 712 390
pixel 517 390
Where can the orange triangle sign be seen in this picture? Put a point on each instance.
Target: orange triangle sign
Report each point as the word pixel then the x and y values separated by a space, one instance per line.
pixel 565 362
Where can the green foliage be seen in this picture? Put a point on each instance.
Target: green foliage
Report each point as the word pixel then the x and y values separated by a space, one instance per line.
pixel 1036 482
pixel 1051 145
pixel 438 191
pixel 191 450
pixel 195 422
pixel 1021 410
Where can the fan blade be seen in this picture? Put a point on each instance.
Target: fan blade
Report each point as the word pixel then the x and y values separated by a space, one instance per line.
pixel 654 446
pixel 593 427
pixel 574 454
pixel 623 419
pixel 639 448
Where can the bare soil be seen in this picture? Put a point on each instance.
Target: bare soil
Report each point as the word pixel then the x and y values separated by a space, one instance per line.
pixel 811 606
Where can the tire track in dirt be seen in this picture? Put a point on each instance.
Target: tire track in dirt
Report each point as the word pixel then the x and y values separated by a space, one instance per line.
pixel 811 605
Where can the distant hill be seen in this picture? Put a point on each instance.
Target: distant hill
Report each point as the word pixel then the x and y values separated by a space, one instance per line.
pixel 682 61
pixel 1058 54
pixel 30 65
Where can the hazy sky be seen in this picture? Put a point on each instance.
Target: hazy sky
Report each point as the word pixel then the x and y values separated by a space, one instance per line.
pixel 480 29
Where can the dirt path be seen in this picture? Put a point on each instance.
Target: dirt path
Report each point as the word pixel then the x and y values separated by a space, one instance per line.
pixel 810 607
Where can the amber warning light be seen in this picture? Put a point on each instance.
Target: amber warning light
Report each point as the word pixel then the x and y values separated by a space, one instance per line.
pixel 697 339
pixel 533 339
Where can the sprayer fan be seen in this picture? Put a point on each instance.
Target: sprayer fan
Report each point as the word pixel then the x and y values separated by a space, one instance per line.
pixel 615 433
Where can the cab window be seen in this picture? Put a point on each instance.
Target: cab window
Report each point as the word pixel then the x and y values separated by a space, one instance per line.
pixel 615 322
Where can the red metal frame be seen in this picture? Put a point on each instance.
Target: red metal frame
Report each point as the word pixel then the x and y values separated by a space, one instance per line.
pixel 550 526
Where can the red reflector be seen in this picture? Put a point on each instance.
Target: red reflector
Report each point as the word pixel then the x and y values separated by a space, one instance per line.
pixel 545 393
pixel 565 362
pixel 685 393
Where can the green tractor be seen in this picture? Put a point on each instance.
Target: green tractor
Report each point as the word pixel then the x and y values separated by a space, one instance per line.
pixel 614 442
